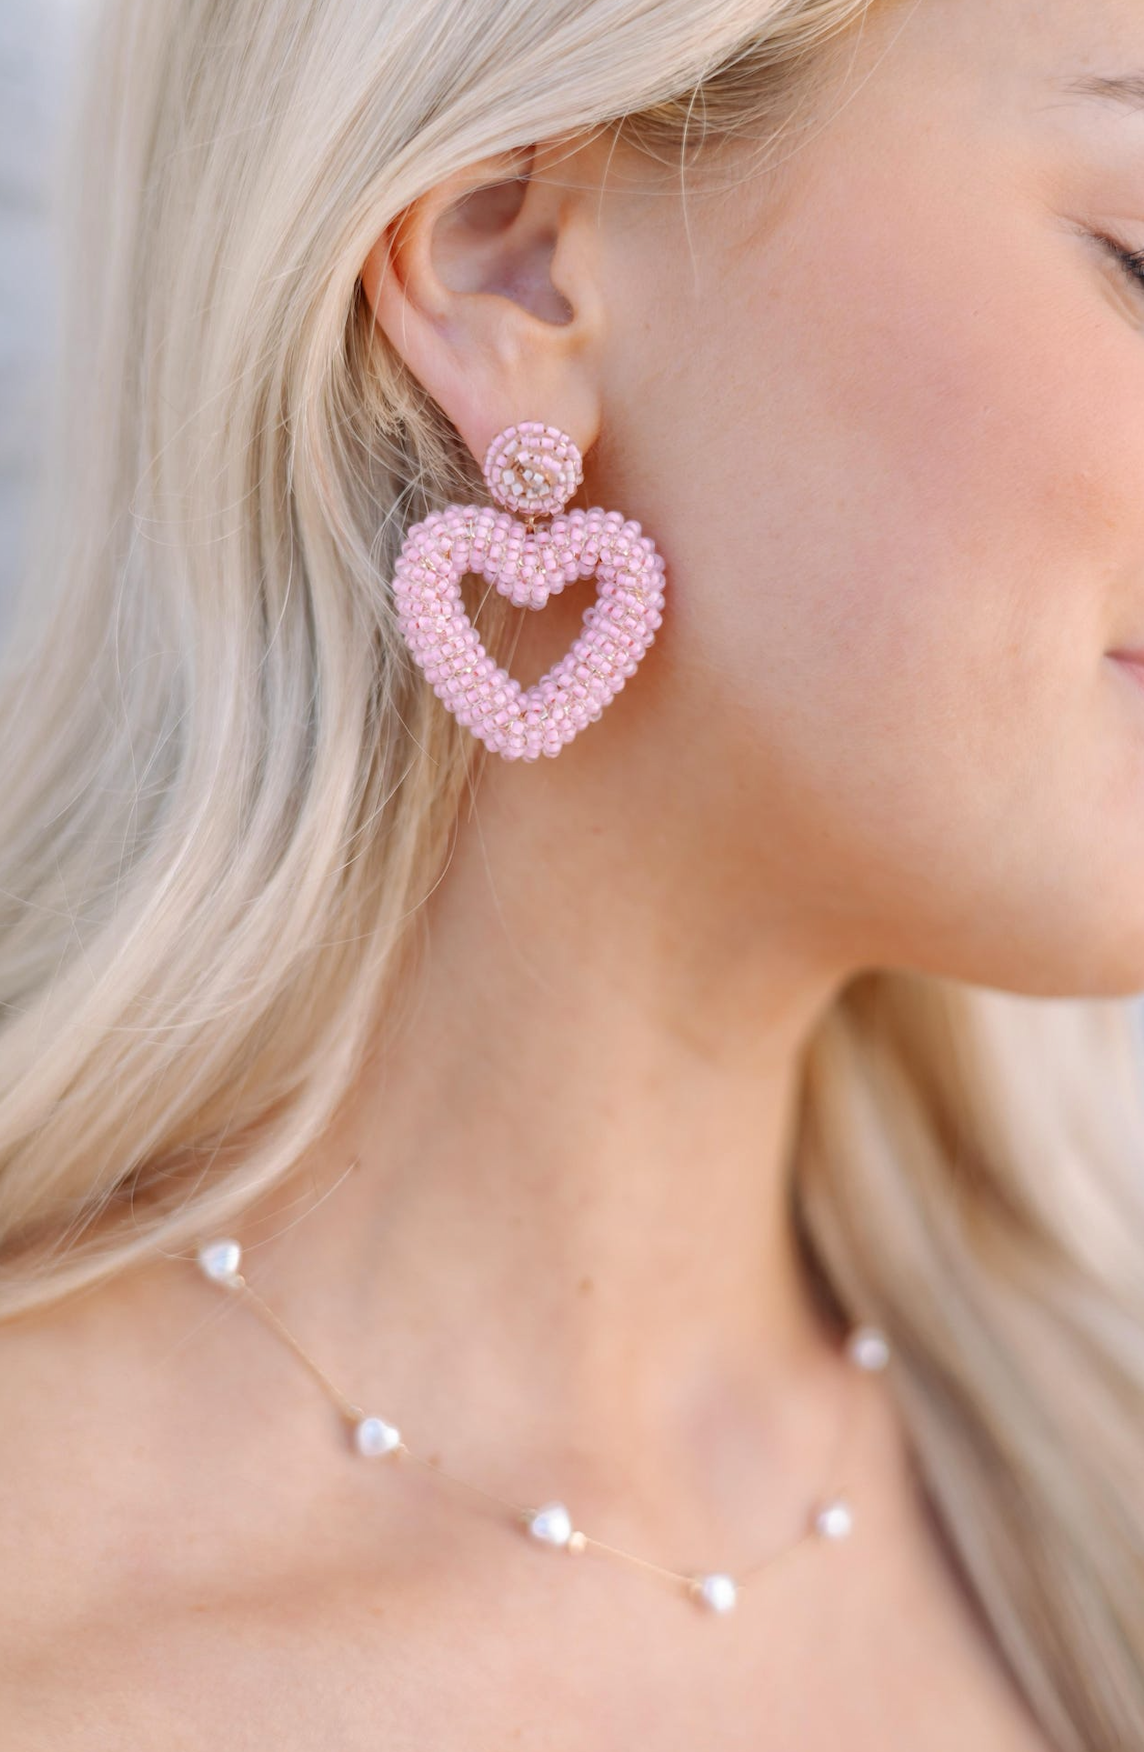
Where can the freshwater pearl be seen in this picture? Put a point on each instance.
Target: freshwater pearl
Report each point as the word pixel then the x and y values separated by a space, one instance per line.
pixel 719 1592
pixel 552 1523
pixel 834 1520
pixel 869 1348
pixel 219 1260
pixel 372 1435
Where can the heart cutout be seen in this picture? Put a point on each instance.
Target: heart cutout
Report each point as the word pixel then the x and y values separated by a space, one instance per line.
pixel 528 565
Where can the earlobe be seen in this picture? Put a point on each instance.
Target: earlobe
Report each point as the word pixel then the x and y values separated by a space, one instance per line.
pixel 461 284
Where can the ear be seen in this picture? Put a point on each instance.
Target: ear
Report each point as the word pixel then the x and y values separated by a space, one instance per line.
pixel 487 286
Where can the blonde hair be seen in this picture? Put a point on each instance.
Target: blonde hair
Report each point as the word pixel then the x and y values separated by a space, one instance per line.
pixel 227 791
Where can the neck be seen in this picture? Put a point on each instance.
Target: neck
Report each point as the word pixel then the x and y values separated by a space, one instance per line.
pixel 567 1234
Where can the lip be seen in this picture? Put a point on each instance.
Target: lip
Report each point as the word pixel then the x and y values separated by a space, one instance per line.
pixel 1132 662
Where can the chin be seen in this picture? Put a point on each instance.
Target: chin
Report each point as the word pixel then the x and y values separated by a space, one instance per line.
pixel 1081 969
pixel 1076 962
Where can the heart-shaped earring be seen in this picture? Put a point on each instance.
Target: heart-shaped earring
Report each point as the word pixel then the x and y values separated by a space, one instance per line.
pixel 531 469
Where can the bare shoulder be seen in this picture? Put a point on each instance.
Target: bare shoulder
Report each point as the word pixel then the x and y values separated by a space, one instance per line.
pixel 51 1447
pixel 54 1528
pixel 102 1442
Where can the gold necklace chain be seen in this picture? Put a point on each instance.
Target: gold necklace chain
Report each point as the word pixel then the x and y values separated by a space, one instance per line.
pixel 866 1347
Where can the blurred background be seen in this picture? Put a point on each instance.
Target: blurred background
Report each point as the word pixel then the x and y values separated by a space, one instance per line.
pixel 36 49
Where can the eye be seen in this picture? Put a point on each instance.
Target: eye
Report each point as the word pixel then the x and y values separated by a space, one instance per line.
pixel 1132 261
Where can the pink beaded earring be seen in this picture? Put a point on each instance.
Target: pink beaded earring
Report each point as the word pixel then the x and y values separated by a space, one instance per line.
pixel 531 469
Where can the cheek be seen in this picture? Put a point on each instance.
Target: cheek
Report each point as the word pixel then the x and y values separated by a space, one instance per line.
pixel 952 488
pixel 938 528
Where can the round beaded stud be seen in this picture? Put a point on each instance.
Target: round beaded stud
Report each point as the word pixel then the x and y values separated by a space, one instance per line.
pixel 531 471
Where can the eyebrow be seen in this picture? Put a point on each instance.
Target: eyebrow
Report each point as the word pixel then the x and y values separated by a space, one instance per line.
pixel 1122 88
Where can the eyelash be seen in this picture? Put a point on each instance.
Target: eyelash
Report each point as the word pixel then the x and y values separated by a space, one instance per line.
pixel 1132 261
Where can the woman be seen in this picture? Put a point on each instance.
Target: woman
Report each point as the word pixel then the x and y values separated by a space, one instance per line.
pixel 584 1118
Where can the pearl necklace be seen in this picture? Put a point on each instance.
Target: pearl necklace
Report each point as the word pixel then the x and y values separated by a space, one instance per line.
pixel 374 1438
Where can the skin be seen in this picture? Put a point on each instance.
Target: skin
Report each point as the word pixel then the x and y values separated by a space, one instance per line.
pixel 881 411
